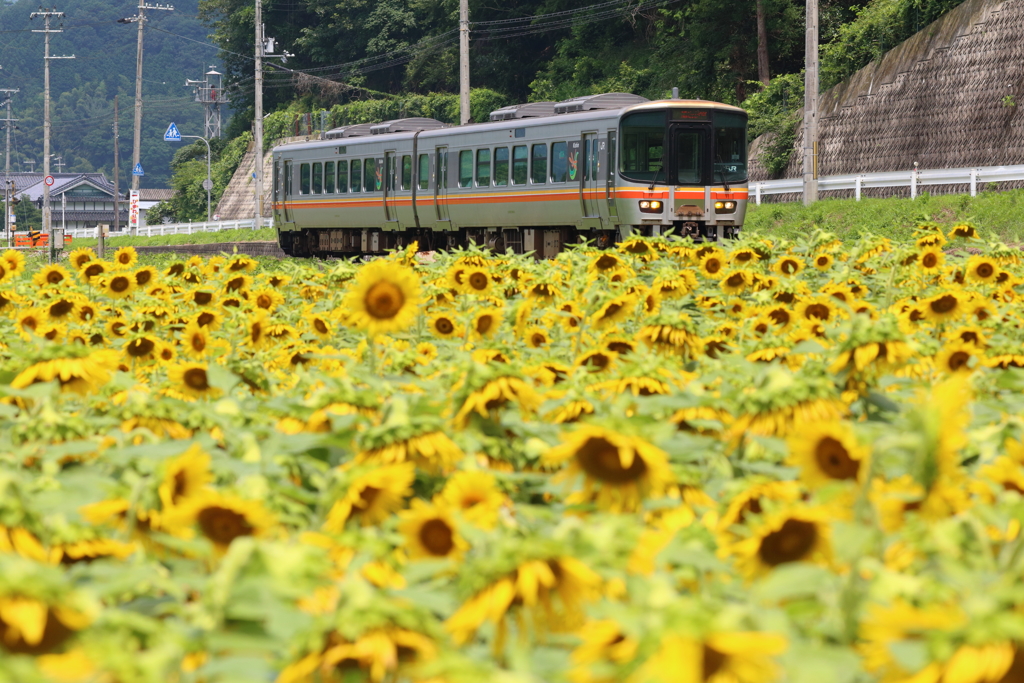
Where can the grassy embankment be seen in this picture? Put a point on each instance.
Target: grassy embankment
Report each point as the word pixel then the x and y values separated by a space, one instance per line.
pixel 263 234
pixel 999 214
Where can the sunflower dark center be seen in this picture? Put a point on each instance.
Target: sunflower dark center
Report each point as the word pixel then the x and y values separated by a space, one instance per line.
pixel 195 378
pixel 180 486
pixel 235 283
pixel 712 662
pixel 140 347
pixel 834 460
pixel 611 310
pixel 384 300
pixel 735 280
pixel 606 262
pixel 930 260
pixel 713 265
pixel 264 301
pixel 538 339
pixel 205 319
pixel 436 536
pixel 143 277
pixel 944 304
pixel 54 633
pixel 791 543
pixel 222 526
pixel 197 342
pixel 320 326
pixel 779 316
pixel 484 323
pixel 958 359
pixel 61 308
pixel 985 270
pixel 93 270
pixel 819 311
pixel 54 276
pixel 202 298
pixel 789 267
pixel 598 361
pixel 119 284
pixel 478 281
pixel 444 326
pixel 601 460
pixel 368 495
pixel 822 260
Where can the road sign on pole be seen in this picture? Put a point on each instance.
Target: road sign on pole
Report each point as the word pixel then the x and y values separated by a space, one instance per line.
pixel 138 169
pixel 133 211
pixel 172 134
pixel 48 180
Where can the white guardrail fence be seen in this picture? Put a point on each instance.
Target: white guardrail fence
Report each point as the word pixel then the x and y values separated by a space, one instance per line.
pixel 168 228
pixel 913 179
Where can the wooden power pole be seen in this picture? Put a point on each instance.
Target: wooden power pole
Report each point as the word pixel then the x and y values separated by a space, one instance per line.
pixel 257 124
pixel 811 106
pixel 100 242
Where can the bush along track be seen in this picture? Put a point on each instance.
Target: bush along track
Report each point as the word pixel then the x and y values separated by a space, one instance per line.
pixel 668 462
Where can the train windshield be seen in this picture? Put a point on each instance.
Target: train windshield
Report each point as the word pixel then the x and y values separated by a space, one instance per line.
pixel 643 146
pixel 730 147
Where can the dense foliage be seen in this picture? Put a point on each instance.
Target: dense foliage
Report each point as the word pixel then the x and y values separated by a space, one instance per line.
pixel 775 461
pixel 82 90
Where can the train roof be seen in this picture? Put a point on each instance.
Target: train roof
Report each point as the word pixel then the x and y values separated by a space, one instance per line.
pixel 590 107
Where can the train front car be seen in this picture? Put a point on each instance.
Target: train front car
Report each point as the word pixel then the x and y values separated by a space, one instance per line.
pixel 683 165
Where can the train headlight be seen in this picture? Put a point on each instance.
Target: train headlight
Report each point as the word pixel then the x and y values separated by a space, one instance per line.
pixel 719 205
pixel 725 207
pixel 645 204
pixel 730 205
pixel 651 205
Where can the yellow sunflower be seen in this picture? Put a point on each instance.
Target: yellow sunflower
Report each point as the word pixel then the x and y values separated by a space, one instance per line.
pixel 789 265
pixel 956 357
pixel 384 298
pixel 712 264
pixel 614 311
pixel 487 322
pixel 982 269
pixel 83 374
pixel 444 325
pixel 828 452
pixel 429 531
pixel 537 338
pixel 823 261
pixel 146 276
pixel 125 258
pixel 185 476
pixel 623 469
pixel 731 657
pixel 220 517
pixel 794 534
pixel 373 496
pixel 191 380
pixel 79 257
pixel 15 261
pixel 947 306
pixel 93 269
pixel 476 495
pixel 51 276
pixel 119 285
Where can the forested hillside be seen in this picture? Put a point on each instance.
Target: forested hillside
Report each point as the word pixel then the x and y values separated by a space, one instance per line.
pixel 82 89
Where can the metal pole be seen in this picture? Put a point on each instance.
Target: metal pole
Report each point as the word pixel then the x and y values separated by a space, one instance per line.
pixel 811 106
pixel 8 194
pixel 463 61
pixel 257 123
pixel 137 147
pixel 210 183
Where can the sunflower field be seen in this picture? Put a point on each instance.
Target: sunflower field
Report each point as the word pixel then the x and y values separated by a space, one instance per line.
pixel 668 462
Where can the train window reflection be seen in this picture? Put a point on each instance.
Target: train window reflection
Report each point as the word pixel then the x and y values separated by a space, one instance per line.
pixel 688 144
pixel 357 176
pixel 318 178
pixel 303 178
pixel 406 172
pixel 559 162
pixel 501 166
pixel 287 177
pixel 643 145
pixel 329 177
pixel 342 176
pixel 483 168
pixel 539 164
pixel 519 170
pixel 424 172
pixel 730 147
pixel 465 169
pixel 370 180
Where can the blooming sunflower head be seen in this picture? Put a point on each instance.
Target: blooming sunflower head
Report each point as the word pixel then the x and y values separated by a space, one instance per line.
pixel 828 452
pixel 384 298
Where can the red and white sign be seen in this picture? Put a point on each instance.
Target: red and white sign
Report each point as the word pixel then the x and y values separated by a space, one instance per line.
pixel 48 180
pixel 133 210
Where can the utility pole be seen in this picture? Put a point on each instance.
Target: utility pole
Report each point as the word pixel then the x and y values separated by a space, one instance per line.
pixel 8 193
pixel 463 62
pixel 101 247
pixel 59 163
pixel 139 19
pixel 811 106
pixel 46 31
pixel 257 123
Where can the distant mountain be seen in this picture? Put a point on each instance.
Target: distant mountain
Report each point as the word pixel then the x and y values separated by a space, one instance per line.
pixel 82 90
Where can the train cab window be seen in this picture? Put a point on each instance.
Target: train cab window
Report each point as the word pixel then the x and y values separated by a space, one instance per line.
pixel 539 164
pixel 287 177
pixel 465 169
pixel 483 168
pixel 303 178
pixel 501 166
pixel 356 176
pixel 329 177
pixel 643 144
pixel 688 156
pixel 559 162
pixel 519 171
pixel 406 172
pixel 342 176
pixel 423 173
pixel 730 147
pixel 318 178
pixel 369 175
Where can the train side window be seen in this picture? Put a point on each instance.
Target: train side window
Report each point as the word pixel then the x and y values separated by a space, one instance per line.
pixel 559 162
pixel 342 176
pixel 329 177
pixel 483 168
pixel 501 166
pixel 356 176
pixel 318 178
pixel 406 172
pixel 369 174
pixel 424 172
pixel 303 178
pixel 539 165
pixel 586 159
pixel 519 171
pixel 287 178
pixel 465 168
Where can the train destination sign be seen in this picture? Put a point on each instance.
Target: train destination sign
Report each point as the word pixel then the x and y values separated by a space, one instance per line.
pixel 691 115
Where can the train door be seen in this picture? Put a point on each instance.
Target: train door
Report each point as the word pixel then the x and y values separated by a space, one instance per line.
pixel 390 189
pixel 588 185
pixel 441 185
pixel 286 191
pixel 404 193
pixel 610 175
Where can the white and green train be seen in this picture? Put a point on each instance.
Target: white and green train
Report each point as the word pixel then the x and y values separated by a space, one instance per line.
pixel 534 178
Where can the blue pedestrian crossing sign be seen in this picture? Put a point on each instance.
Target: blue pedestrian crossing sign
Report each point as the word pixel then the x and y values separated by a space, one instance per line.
pixel 138 169
pixel 172 134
